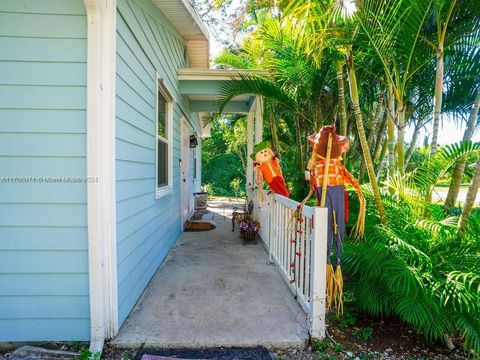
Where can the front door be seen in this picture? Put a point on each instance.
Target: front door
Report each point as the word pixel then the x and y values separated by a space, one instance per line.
pixel 184 174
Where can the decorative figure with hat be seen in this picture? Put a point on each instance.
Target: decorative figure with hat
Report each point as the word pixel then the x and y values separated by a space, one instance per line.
pixel 328 179
pixel 267 166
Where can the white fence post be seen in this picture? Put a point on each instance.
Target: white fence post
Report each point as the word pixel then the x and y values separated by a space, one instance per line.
pixel 318 278
pixel 271 217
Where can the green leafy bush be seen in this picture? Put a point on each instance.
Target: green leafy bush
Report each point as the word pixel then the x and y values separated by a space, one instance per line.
pixel 220 171
pixel 417 268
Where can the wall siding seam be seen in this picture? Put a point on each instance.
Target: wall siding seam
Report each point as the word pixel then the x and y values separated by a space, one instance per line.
pixel 134 126
pixel 46 318
pixel 128 84
pixel 154 218
pixel 165 55
pixel 135 109
pixel 123 140
pixel 146 37
pixel 133 179
pixel 149 236
pixel 133 53
pixel 45 48
pixel 158 60
pixel 148 7
pixel 135 73
pixel 150 192
pixel 169 196
pixel 134 162
pixel 131 236
pixel 167 245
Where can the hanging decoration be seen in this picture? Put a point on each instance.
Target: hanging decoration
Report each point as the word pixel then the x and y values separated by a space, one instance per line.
pixel 267 167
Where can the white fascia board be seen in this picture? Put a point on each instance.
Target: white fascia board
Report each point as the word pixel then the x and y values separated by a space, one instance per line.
pixel 217 74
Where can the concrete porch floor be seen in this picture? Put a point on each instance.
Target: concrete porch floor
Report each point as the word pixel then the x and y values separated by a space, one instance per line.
pixel 213 291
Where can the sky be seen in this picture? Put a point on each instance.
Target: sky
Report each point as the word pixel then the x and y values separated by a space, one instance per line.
pixel 449 132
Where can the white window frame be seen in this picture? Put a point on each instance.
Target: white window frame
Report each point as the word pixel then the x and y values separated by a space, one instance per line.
pixel 163 90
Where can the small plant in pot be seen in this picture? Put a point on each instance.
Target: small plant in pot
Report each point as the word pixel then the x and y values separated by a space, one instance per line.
pixel 248 228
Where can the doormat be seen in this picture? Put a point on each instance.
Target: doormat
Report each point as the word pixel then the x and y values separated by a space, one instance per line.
pixel 198 215
pixel 258 353
pixel 199 226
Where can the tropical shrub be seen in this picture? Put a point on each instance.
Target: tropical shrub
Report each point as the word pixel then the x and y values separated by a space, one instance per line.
pixel 220 171
pixel 416 267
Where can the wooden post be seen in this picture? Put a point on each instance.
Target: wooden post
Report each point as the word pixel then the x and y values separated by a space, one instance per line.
pixel 326 174
pixel 249 175
pixel 318 280
pixel 258 119
pixel 272 224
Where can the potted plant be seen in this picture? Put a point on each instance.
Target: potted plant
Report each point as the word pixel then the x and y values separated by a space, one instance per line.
pixel 248 228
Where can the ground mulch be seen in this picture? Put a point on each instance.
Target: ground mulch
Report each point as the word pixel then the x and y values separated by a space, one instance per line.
pixel 361 337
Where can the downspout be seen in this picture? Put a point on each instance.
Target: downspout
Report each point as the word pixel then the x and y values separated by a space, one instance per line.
pixel 101 15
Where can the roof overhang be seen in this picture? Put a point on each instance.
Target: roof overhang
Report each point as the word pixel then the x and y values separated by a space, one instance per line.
pixel 203 88
pixel 183 16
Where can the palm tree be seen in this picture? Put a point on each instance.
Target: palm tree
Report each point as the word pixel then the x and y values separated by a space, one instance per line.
pixel 470 199
pixel 452 22
pixel 457 176
pixel 443 11
pixel 341 97
pixel 393 30
pixel 361 134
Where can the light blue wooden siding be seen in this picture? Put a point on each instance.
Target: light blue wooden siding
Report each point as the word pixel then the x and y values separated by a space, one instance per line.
pixel 43 233
pixel 147 228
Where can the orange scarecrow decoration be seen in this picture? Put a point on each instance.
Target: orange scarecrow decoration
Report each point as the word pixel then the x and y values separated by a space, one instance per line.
pixel 267 166
pixel 328 179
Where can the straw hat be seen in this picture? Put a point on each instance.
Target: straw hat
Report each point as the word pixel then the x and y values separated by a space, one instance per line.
pixel 319 142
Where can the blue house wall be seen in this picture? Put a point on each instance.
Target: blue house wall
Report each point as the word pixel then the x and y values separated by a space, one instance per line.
pixel 147 228
pixel 43 225
pixel 44 293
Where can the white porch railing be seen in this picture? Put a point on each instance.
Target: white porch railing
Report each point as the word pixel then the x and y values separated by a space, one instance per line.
pixel 299 253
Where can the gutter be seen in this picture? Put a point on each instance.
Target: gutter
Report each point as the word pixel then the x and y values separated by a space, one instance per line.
pixel 101 216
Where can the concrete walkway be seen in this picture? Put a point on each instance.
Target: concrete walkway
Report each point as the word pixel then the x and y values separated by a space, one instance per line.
pixel 213 291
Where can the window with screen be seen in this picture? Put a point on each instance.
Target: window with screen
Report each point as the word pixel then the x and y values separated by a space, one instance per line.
pixel 164 139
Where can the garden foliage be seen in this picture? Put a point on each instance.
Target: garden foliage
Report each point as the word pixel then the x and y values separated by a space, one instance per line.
pixel 416 267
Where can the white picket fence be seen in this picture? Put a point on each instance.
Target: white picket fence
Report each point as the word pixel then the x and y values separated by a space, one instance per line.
pixel 299 251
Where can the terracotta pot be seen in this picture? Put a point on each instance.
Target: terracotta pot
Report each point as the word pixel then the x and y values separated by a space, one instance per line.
pixel 249 235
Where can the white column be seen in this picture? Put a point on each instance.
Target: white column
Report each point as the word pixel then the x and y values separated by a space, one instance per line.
pixel 250 125
pixel 318 272
pixel 101 217
pixel 258 119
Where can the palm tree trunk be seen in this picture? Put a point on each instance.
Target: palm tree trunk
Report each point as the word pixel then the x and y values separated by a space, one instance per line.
pixel 371 133
pixel 299 146
pixel 361 134
pixel 391 132
pixel 400 137
pixel 341 97
pixel 470 200
pixel 273 129
pixel 382 158
pixel 442 25
pixel 380 142
pixel 413 143
pixel 376 119
pixel 437 100
pixel 457 176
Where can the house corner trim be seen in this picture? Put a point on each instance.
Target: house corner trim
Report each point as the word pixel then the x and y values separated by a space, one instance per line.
pixel 102 264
